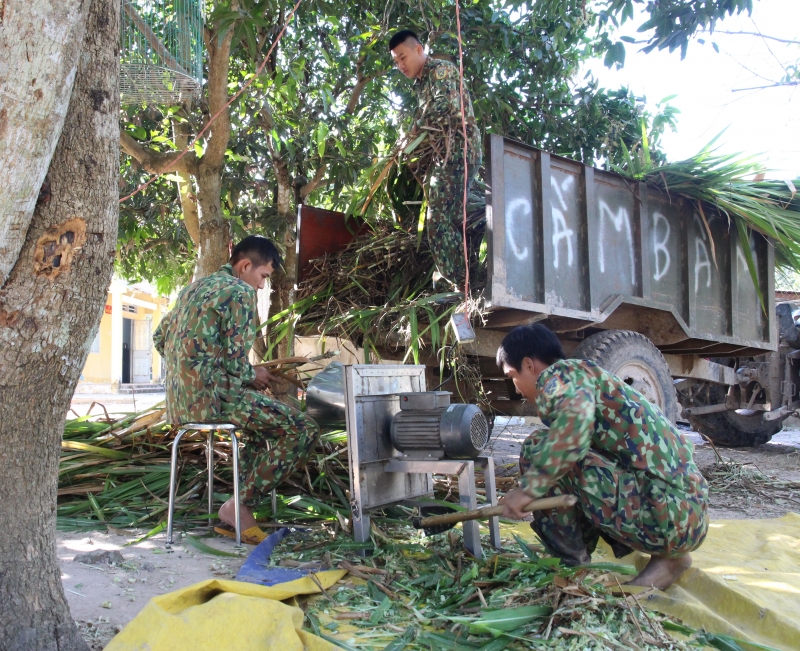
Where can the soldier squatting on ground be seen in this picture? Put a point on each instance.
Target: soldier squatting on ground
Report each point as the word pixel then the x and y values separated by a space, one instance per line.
pixel 637 485
pixel 436 84
pixel 205 341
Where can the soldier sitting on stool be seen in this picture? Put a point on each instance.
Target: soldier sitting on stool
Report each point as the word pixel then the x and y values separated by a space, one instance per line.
pixel 205 341
pixel 636 483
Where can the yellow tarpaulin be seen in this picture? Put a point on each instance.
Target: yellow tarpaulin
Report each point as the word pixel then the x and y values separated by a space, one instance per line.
pixel 225 615
pixel 744 581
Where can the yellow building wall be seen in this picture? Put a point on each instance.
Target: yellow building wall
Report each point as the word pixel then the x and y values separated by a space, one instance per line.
pixel 98 365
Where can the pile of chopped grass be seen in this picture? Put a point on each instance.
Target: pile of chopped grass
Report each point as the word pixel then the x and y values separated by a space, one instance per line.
pixel 414 592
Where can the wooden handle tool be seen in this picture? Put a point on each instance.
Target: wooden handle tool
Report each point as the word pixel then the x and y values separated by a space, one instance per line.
pixel 543 504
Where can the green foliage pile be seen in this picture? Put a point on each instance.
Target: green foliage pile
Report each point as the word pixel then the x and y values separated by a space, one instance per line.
pixel 378 292
pixel 424 593
pixel 115 474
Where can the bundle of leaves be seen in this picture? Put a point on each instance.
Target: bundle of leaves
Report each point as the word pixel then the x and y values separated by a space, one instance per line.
pixel 379 291
pixel 115 474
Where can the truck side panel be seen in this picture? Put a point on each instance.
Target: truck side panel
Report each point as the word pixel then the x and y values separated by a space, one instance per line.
pixel 570 242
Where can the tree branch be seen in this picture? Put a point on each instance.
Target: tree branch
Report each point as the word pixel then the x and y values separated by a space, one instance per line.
pixel 312 185
pixel 775 85
pixel 774 38
pixel 191 217
pixel 362 82
pixel 279 165
pixel 157 162
pixel 219 56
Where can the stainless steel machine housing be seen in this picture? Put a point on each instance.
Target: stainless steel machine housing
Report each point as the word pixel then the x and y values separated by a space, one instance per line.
pixel 380 474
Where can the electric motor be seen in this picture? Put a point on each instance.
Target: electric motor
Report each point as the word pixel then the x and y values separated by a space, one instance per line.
pixel 427 425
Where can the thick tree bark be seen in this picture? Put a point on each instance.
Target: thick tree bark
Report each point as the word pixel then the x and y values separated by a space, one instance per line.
pixel 215 232
pixel 50 309
pixel 283 285
pixel 39 45
pixel 282 282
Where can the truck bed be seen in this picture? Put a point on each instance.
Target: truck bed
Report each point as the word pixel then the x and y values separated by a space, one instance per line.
pixel 578 247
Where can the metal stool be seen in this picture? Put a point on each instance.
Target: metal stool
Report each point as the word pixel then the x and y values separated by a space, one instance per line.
pixel 210 428
pixel 173 472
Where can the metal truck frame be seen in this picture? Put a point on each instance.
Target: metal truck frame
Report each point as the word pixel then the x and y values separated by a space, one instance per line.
pixel 653 287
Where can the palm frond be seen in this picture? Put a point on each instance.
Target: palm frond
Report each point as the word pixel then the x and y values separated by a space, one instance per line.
pixel 724 183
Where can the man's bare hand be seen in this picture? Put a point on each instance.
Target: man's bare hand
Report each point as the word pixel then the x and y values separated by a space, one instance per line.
pixel 263 378
pixel 514 503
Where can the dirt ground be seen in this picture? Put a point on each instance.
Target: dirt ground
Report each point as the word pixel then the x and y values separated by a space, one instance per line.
pixel 763 482
pixel 103 597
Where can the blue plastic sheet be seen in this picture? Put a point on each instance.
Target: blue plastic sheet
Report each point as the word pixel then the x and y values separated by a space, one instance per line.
pixel 256 568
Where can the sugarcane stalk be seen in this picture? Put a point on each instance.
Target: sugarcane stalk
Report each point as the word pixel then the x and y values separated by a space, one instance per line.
pixel 544 504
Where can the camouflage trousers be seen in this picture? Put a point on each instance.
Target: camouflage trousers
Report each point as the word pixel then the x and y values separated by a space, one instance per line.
pixel 277 441
pixel 626 509
pixel 445 220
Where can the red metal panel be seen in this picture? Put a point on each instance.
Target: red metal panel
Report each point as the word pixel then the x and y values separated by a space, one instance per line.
pixel 320 232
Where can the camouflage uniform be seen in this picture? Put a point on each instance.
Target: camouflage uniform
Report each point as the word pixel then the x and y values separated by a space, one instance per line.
pixel 205 341
pixel 439 112
pixel 634 477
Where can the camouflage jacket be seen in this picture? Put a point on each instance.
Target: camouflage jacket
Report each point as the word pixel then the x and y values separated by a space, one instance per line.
pixel 205 340
pixel 587 408
pixel 439 108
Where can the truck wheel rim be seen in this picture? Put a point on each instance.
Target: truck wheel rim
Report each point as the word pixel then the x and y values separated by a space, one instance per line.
pixel 644 380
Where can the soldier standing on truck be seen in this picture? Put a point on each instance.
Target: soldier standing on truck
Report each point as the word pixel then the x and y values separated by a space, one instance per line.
pixel 637 485
pixel 436 85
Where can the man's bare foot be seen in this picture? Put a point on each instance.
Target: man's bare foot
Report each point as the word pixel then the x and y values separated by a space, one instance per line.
pixel 662 572
pixel 227 514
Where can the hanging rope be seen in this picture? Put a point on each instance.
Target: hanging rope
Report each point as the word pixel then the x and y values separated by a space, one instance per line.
pixel 224 108
pixel 464 134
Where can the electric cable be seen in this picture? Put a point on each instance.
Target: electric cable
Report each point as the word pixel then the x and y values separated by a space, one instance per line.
pixel 464 135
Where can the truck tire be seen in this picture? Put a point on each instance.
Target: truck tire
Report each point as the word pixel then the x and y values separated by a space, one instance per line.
pixel 733 429
pixel 634 359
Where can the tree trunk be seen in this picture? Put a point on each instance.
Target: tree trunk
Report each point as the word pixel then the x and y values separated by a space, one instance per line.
pixel 39 45
pixel 283 285
pixel 215 232
pixel 50 309
pixel 283 281
pixel 181 134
